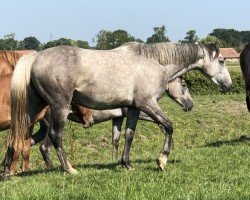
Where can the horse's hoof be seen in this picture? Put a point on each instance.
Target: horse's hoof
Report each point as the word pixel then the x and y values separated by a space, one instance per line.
pixel 160 164
pixel 72 171
pixel 4 176
pixel 127 165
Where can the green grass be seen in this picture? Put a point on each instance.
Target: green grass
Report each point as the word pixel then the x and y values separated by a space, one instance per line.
pixel 210 159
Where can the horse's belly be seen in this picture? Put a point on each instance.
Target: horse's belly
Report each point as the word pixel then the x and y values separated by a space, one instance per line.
pixel 102 100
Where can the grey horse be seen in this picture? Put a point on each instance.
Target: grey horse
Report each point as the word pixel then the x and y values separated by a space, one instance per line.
pixel 176 89
pixel 133 76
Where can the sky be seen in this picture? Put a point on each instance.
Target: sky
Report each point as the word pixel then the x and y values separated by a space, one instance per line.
pixel 83 19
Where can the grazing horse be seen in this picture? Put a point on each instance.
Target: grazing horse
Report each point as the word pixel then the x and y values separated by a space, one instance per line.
pixel 133 75
pixel 245 69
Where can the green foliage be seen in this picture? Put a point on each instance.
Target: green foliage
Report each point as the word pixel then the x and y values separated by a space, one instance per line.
pixel 199 85
pixel 232 37
pixel 8 44
pixel 110 40
pixel 30 43
pixel 191 37
pixel 65 41
pixel 211 40
pixel 82 44
pixel 158 36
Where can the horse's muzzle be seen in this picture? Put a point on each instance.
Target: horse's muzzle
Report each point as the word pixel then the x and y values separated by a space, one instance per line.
pixel 188 105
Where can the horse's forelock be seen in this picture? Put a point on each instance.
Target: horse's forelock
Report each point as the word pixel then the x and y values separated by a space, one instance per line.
pixel 211 48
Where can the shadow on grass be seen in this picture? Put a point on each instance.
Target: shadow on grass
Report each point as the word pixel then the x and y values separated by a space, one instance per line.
pixel 113 166
pixel 40 171
pixel 98 166
pixel 236 141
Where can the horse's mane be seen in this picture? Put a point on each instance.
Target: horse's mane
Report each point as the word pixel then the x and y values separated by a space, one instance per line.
pixel 11 56
pixel 245 64
pixel 170 53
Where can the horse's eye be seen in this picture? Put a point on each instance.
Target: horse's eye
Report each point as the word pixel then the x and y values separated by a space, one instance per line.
pixel 222 61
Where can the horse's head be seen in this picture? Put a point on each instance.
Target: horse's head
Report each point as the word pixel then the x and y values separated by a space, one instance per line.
pixel 178 91
pixel 214 67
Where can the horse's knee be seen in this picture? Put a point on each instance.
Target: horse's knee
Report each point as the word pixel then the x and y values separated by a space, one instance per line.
pixel 43 149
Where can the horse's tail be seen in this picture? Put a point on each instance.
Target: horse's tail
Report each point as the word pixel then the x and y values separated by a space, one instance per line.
pixel 245 68
pixel 19 100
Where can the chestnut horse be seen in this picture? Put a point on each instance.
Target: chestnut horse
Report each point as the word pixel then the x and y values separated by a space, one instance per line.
pixel 5 121
pixel 8 60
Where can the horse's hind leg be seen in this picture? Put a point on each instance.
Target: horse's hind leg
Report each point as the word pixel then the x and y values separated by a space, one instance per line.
pixel 26 151
pixel 132 118
pixel 45 149
pixel 58 118
pixel 116 132
pixel 153 110
pixel 16 155
pixel 26 155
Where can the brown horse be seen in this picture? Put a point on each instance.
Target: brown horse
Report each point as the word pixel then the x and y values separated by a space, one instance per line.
pixel 8 60
pixel 5 121
pixel 11 56
pixel 5 117
pixel 245 68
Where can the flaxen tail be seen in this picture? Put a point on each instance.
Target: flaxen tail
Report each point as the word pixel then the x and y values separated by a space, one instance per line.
pixel 19 100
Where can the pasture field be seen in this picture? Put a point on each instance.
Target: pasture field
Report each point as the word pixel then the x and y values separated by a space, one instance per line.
pixel 210 159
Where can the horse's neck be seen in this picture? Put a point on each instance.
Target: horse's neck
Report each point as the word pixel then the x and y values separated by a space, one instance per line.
pixel 181 71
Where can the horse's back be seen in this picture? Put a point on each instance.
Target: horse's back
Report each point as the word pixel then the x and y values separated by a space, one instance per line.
pixel 99 78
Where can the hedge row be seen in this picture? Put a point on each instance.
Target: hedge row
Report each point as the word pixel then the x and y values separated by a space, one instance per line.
pixel 200 85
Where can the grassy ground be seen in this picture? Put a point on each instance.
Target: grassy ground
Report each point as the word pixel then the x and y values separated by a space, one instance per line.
pixel 210 159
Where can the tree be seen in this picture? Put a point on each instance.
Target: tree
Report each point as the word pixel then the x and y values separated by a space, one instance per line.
pixel 61 41
pixel 8 44
pixel 110 40
pixel 158 36
pixel 103 39
pixel 245 35
pixel 30 43
pixel 65 41
pixel 191 37
pixel 211 40
pixel 82 44
pixel 228 37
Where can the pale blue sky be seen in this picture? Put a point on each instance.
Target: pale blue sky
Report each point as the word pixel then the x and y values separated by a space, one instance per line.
pixel 79 19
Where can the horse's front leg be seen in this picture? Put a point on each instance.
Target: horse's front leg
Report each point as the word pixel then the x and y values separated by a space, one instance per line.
pixel 116 132
pixel 132 118
pixel 153 110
